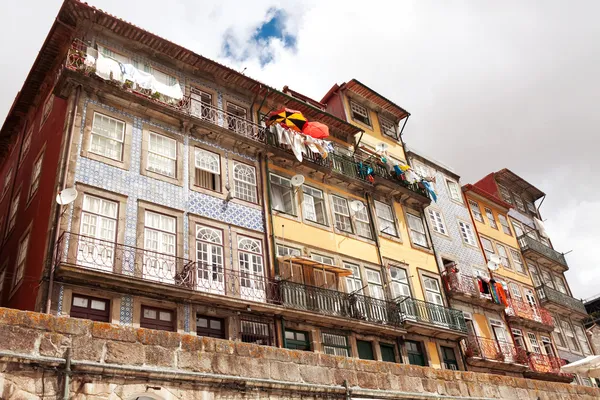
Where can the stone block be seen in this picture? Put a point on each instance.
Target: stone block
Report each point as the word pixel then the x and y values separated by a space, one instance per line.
pixel 452 388
pixel 411 384
pixel 105 330
pixel 304 357
pixel 277 354
pixel 367 380
pixel 18 339
pixel 54 344
pixel 508 392
pixel 159 356
pixel 191 343
pixel 386 381
pixel 253 367
pixel 284 371
pixel 158 338
pixel 249 350
pixel 225 364
pixel 83 348
pixel 195 361
pixel 329 361
pixel 208 344
pixel 71 326
pixel 315 374
pixel 224 346
pixel 125 353
pixel 341 375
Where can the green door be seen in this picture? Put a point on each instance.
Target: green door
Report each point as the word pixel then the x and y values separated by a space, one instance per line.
pixel 365 350
pixel 387 352
pixel 449 358
pixel 415 353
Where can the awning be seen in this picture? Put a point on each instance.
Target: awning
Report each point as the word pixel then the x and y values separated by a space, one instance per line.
pixel 586 367
pixel 315 264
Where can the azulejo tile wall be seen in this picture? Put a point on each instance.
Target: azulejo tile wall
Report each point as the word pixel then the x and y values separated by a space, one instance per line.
pixel 139 187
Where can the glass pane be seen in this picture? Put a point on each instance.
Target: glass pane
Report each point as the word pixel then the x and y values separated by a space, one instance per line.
pixel 98 305
pixel 215 324
pixel 149 313
pixel 80 302
pixel 202 322
pixel 164 316
pixel 289 335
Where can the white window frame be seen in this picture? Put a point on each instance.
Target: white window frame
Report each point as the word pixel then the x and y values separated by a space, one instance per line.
pixel 454 190
pixel 36 172
pixel 433 296
pixel 400 286
pixel 282 187
pixel 341 216
pixel 476 211
pixel 309 207
pixel 245 183
pixel 504 257
pixel 335 349
pixel 467 233
pixel 21 260
pixel 354 282
pixel 572 340
pixel 98 230
pixel 363 223
pixel 388 127
pixel 437 221
pixel 210 257
pixel 119 141
pixel 488 251
pixel 14 209
pixel 160 262
pixel 504 223
pixel 375 283
pixel 172 158
pixel 490 216
pixel 284 250
pixel 361 111
pixel 252 267
pixel 26 145
pixel 387 223
pixel 583 342
pixel 416 235
pixel 505 194
pixel 534 343
pixel 322 259
pixel 561 285
pixel 517 261
pixel 559 337
pixel 209 162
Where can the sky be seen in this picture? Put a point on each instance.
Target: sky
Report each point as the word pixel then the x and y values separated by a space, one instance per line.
pixel 489 84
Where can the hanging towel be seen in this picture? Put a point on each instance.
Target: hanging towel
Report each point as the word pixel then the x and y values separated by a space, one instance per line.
pixel 297 146
pixel 501 294
pixel 539 225
pixel 107 68
pixel 480 284
pixel 430 190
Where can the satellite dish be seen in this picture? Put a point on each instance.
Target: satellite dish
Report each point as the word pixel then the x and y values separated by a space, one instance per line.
pixel 492 266
pixel 66 196
pixel 381 147
pixel 495 258
pixel 297 180
pixel 356 206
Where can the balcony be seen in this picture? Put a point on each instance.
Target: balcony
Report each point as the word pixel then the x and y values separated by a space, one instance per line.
pixel 559 302
pixel 431 319
pixel 82 59
pixel 523 313
pixel 494 354
pixel 545 367
pixel 542 254
pixel 464 288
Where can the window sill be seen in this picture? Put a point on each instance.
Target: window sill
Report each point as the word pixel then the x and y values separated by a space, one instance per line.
pixel 105 160
pixel 317 225
pixel 393 238
pixel 177 181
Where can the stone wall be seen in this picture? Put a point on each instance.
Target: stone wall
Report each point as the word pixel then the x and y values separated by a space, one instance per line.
pixel 116 362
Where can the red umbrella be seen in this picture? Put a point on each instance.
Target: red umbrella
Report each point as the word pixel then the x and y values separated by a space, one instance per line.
pixel 316 130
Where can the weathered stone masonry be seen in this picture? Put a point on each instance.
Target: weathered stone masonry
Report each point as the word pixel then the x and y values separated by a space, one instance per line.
pixel 116 362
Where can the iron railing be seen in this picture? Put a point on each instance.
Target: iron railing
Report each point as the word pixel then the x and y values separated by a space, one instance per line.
pixel 546 364
pixel 422 311
pixel 522 309
pixel 494 350
pixel 78 59
pixel 547 294
pixel 457 282
pixel 528 243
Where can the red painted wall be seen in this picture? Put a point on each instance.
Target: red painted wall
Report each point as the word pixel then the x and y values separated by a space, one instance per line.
pixel 37 212
pixel 488 183
pixel 335 105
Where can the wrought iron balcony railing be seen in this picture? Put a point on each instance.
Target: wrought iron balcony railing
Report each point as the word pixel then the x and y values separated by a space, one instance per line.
pixel 545 364
pixel 547 294
pixel 527 243
pixel 466 286
pixel 79 60
pixel 421 311
pixel 495 350
pixel 522 309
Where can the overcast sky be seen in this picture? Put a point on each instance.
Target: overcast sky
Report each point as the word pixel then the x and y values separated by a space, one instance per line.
pixel 489 84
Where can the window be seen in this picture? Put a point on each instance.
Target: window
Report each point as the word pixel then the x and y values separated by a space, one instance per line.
pixel 375 284
pixel 26 145
pixel 322 259
pixel 432 291
pixel 209 256
pixel 515 292
pixel 490 217
pixel 296 340
pixel 282 195
pixel 251 267
pixel 6 184
pixel 157 318
pixel 93 308
pixel 12 216
pixel 535 346
pixel 437 222
pixel 505 194
pixel 519 341
pixel 387 352
pixel 360 113
pixel 236 119
pixel 354 281
pixel 107 137
pixel 385 218
pixel 417 230
pixel 518 229
pixel 517 261
pixel 256 332
pixel 535 276
pixel 400 285
pixel 571 339
pixel 476 211
pixel 388 127
pixel 504 223
pixel 335 345
pixel 313 205
pixel 210 327
pixel 341 214
pixel 21 258
pixel 559 338
pixel 201 104
pixel 162 155
pixel 488 248
pixel 363 224
pixel 466 231
pixel 449 358
pixel 244 182
pixel 504 261
pixel 365 350
pixel 160 240
pixel 547 343
pixel 560 285
pixel 414 350
pixel 99 230
pixel 454 191
pixel 519 203
pixel 547 278
pixel 283 251
pixel 531 207
pixel 207 170
pixel 583 340
pixel 47 109
pixel 35 176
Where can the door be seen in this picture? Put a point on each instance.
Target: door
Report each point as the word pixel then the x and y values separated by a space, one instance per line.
pixel 209 256
pixel 503 341
pixel 435 307
pixel 387 352
pixel 449 358
pixel 532 303
pixel 98 229
pixel 159 247
pixel 325 296
pixel 201 105
pixel 292 285
pixel 365 350
pixel 252 278
pixel 415 353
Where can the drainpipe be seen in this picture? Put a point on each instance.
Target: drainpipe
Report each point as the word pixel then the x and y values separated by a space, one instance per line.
pixel 67 374
pixel 267 208
pixel 62 179
pixel 266 204
pixel 376 234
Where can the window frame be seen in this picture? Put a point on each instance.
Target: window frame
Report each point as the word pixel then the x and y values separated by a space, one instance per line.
pixel 397 281
pixel 506 264
pixel 208 331
pixel 158 325
pixel 476 211
pixel 35 178
pixel 393 220
pixel 296 343
pixel 46 110
pixel 505 194
pixel 489 213
pixel 360 221
pixel 13 212
pixel 367 115
pixel 21 261
pixel 424 278
pixel 449 184
pixel 253 335
pixel 420 353
pixel 7 181
pixel 291 190
pixel 255 199
pixel 122 141
pixel 101 316
pixel 26 146
pixel 504 224
pixel 382 121
pixel 463 232
pixel 323 201
pixel 437 221
pixel 335 213
pixel 176 160
pixel 325 344
pixel 410 215
pixel 517 260
pixel 194 149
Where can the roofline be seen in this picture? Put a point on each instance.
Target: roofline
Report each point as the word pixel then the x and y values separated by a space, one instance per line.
pixel 383 97
pixel 487 195
pixel 432 161
pixel 506 170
